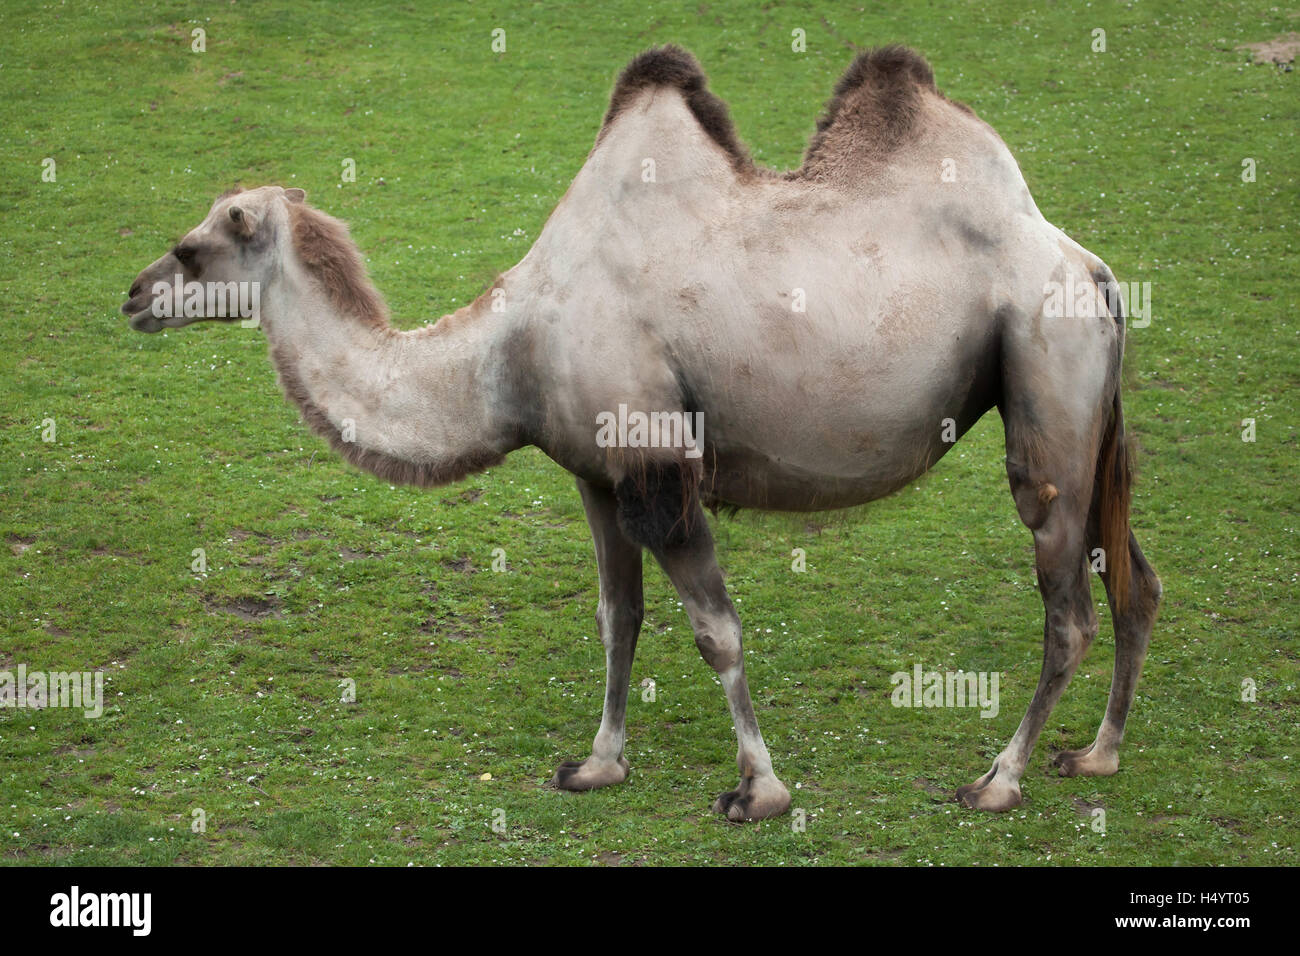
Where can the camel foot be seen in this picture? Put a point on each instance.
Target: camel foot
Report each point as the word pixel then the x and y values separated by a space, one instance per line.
pixel 992 792
pixel 589 774
pixel 1091 761
pixel 757 798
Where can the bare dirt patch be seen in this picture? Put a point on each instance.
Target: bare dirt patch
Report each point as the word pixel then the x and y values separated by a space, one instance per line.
pixel 1084 807
pixel 1280 50
pixel 462 564
pixel 245 608
pixel 349 554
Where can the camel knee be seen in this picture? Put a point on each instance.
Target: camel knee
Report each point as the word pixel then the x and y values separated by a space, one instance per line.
pixel 617 619
pixel 1149 589
pixel 1134 624
pixel 719 640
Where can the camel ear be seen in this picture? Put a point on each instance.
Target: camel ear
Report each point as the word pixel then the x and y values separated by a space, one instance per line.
pixel 244 220
pixel 295 194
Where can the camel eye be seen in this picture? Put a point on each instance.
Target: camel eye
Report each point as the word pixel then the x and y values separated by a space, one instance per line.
pixel 188 257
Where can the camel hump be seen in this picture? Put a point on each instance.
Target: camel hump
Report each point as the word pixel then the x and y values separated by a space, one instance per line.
pixel 673 67
pixel 875 105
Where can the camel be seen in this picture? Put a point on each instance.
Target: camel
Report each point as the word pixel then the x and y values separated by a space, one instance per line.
pixel 833 329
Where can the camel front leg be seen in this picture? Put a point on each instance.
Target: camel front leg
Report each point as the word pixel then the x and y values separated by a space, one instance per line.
pixel 618 618
pixel 693 569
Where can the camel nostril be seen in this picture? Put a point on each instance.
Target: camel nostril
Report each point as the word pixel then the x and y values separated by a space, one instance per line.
pixel 135 289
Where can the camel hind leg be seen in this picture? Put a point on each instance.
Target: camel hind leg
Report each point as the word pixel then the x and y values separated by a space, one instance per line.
pixel 1132 587
pixel 1058 521
pixel 1133 625
pixel 1060 381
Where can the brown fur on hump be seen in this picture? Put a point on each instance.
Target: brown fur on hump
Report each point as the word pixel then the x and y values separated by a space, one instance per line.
pixel 674 67
pixel 326 249
pixel 874 106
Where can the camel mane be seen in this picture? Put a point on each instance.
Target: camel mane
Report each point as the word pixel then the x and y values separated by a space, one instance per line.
pixel 880 94
pixel 325 247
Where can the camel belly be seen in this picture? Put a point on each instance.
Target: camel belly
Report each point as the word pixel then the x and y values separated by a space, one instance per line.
pixel 851 426
pixel 823 473
pixel 746 480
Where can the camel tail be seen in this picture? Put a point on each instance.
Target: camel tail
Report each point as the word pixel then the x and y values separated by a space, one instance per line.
pixel 1115 474
pixel 1114 489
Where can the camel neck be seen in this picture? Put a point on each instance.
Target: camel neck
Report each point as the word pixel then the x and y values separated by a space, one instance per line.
pixel 421 407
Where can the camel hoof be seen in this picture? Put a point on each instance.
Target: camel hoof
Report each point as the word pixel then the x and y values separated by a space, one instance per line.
pixel 1088 762
pixel 990 793
pixel 757 798
pixel 589 774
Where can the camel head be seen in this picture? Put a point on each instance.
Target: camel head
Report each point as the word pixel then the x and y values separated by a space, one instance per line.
pixel 217 270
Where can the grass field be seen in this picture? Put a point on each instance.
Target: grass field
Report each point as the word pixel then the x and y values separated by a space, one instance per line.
pixel 223 687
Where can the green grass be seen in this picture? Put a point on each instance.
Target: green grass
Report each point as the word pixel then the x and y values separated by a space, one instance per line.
pixel 223 690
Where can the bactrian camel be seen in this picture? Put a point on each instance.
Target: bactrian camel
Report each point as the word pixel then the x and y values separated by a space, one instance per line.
pixel 834 328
